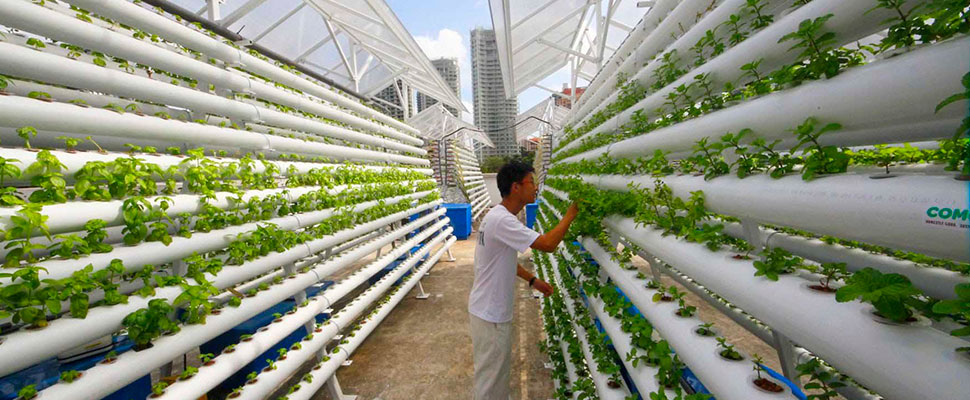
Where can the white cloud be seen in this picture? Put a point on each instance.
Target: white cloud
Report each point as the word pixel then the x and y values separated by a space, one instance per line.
pixel 451 44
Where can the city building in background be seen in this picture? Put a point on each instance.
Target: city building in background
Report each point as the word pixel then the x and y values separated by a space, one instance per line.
pixel 448 69
pixel 494 112
pixel 391 95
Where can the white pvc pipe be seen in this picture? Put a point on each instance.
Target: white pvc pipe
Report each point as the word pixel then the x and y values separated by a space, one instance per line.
pixel 603 388
pixel 74 162
pixel 329 367
pixel 935 282
pixel 850 21
pixel 643 375
pixel 37 65
pixel 16 112
pixel 843 334
pixel 227 364
pixel 157 253
pixel 618 64
pixel 878 211
pixel 104 379
pixel 168 29
pixel 30 347
pixel 679 22
pixel 726 379
pixel 72 216
pixel 902 90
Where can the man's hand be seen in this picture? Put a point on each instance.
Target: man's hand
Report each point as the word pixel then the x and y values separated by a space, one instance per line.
pixel 543 287
pixel 572 212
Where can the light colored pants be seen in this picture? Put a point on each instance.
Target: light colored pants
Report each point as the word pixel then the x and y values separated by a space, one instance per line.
pixel 492 344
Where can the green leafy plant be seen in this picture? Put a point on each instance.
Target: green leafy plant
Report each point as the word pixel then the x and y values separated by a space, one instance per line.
pixel 705 329
pixel 37 44
pixel 893 295
pixel 777 261
pixel 727 350
pixel 821 383
pixel 189 372
pixel 26 133
pixel 818 159
pixel 70 376
pixel 205 358
pixel 146 324
pixel 959 308
pixel 27 392
pixel 158 389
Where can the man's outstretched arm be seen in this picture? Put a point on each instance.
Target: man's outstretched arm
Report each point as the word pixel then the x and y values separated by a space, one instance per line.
pixel 548 241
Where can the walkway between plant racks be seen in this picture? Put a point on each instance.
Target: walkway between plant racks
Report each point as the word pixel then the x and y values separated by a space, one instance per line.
pixel 423 349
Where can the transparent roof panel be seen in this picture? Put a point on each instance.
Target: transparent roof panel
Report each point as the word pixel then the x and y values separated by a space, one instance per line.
pixel 536 38
pixel 530 123
pixel 358 43
pixel 437 123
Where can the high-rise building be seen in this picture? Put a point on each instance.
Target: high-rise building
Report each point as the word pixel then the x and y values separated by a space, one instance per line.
pixel 389 94
pixel 448 69
pixel 494 113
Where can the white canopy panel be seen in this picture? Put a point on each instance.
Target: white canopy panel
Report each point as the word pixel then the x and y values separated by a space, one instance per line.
pixel 358 43
pixel 437 123
pixel 545 117
pixel 536 38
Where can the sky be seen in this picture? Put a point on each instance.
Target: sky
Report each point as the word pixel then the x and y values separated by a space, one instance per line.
pixel 442 29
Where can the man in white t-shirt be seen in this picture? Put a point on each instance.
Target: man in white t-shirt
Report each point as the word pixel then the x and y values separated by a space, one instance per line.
pixel 501 237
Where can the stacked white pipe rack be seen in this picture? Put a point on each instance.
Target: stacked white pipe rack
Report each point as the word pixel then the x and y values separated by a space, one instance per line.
pixel 281 182
pixel 914 217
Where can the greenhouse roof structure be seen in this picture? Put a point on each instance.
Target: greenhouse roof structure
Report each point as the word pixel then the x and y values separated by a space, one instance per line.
pixel 436 123
pixel 359 44
pixel 542 118
pixel 536 38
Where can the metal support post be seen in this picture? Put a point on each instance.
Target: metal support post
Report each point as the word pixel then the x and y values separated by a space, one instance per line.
pixel 333 388
pixel 786 356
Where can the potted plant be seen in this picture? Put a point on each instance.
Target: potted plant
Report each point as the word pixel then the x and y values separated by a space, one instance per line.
pixel 251 377
pixel 110 357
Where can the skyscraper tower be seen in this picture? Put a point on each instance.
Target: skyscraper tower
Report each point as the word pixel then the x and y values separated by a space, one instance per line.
pixel 494 113
pixel 448 69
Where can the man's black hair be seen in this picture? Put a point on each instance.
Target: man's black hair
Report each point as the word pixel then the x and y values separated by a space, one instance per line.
pixel 513 172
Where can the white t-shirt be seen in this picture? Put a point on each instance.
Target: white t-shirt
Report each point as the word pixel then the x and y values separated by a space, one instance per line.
pixel 501 237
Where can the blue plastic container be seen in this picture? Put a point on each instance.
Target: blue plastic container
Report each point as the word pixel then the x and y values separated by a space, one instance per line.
pixel 530 214
pixel 460 215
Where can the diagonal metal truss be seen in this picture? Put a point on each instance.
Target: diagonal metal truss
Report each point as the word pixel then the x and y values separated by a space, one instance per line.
pixel 359 44
pixel 536 38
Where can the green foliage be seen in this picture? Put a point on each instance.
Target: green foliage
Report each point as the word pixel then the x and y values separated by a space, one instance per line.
pixel 146 324
pixel 893 295
pixel 158 389
pixel 70 376
pixel 822 383
pixel 959 308
pixel 27 392
pixel 777 261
